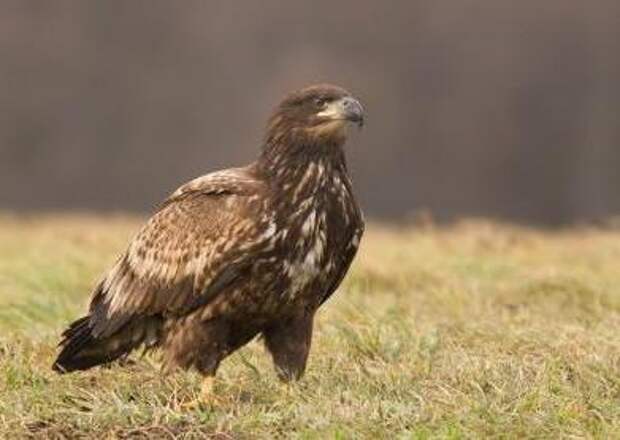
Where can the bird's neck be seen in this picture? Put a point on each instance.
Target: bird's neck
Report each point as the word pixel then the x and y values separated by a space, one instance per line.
pixel 288 165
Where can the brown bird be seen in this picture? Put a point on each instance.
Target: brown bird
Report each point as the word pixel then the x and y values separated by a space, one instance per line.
pixel 236 253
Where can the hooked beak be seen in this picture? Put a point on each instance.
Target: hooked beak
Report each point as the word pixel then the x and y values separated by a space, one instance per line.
pixel 353 110
pixel 347 109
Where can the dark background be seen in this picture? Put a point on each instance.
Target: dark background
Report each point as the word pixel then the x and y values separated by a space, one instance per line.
pixel 507 109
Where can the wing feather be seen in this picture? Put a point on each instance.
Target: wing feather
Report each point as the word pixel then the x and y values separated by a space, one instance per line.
pixel 190 250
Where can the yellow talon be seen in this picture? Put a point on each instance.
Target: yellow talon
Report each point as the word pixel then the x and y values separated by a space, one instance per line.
pixel 207 390
pixel 207 396
pixel 286 388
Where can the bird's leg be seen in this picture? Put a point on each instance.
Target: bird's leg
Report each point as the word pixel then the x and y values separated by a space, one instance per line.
pixel 286 387
pixel 207 390
pixel 213 335
pixel 289 345
pixel 207 396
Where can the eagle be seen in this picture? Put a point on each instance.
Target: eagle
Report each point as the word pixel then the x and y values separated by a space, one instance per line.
pixel 236 253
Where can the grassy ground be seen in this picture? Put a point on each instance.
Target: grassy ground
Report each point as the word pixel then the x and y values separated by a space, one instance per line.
pixel 474 330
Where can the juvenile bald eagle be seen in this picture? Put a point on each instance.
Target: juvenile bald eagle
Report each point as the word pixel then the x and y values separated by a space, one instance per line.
pixel 236 253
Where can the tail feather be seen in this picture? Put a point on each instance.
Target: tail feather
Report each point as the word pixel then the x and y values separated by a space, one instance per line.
pixel 81 349
pixel 75 337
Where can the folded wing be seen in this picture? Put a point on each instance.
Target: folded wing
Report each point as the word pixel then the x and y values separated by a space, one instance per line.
pixel 196 245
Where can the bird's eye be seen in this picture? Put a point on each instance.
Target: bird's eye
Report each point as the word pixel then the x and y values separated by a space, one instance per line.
pixel 320 102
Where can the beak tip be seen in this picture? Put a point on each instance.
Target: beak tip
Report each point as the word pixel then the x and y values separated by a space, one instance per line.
pixel 354 111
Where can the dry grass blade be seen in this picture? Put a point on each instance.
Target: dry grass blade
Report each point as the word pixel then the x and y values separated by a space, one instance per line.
pixel 471 331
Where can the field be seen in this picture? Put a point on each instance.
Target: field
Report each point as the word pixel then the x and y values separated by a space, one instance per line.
pixel 474 330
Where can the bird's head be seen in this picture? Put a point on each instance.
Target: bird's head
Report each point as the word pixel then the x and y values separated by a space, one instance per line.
pixel 315 115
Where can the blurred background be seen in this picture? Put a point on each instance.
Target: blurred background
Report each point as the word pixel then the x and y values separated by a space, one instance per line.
pixel 489 108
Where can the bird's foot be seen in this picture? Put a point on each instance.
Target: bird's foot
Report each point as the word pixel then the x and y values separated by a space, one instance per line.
pixel 207 398
pixel 286 388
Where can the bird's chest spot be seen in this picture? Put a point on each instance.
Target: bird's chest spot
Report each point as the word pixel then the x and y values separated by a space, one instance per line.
pixel 308 256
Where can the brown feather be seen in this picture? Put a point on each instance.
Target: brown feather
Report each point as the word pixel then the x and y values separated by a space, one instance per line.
pixel 234 253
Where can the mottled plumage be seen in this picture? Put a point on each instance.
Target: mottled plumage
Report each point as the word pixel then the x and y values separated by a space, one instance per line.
pixel 236 253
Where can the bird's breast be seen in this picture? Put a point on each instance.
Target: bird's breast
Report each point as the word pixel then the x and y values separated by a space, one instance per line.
pixel 313 244
pixel 307 253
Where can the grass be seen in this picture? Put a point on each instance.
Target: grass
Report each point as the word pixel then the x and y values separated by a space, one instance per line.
pixel 474 330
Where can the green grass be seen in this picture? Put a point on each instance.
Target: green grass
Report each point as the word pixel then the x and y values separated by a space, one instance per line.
pixel 471 331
